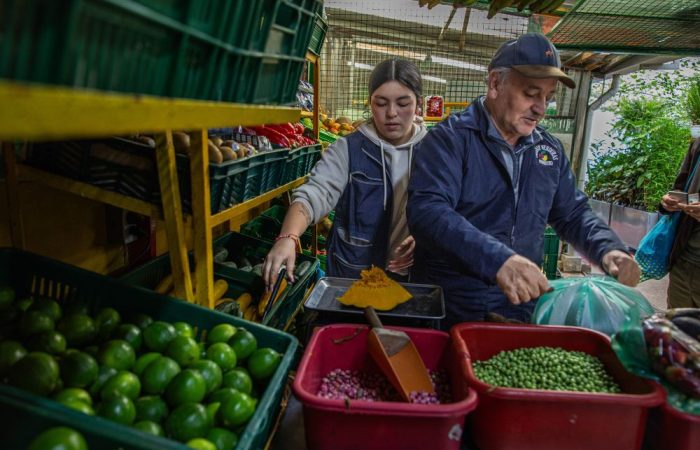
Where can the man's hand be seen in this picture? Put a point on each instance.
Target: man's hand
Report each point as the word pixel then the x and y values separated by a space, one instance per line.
pixel 622 266
pixel 402 256
pixel 670 204
pixel 521 280
pixel 692 209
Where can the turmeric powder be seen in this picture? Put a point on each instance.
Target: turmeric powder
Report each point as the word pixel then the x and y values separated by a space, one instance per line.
pixel 376 289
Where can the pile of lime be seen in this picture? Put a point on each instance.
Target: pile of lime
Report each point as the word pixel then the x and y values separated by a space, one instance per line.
pixel 153 375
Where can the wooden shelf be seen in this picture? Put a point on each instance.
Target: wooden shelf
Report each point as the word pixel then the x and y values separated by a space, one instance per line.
pixel 37 112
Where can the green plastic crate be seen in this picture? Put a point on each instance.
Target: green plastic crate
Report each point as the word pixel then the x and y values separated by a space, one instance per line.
pixel 318 35
pixel 27 414
pixel 282 313
pixel 267 226
pixel 550 253
pixel 246 52
pixel 300 161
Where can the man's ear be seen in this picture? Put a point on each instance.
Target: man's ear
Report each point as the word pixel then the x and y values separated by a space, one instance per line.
pixel 493 85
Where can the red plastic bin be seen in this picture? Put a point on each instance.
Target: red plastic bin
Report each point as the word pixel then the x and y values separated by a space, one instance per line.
pixel 524 419
pixel 673 429
pixel 340 425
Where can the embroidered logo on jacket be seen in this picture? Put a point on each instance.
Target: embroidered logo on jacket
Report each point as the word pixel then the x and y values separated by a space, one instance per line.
pixel 546 155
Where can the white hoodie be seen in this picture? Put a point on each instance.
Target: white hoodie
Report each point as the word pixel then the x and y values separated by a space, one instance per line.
pixel 331 174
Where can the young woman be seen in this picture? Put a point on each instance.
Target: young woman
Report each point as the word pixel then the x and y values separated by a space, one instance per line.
pixel 364 178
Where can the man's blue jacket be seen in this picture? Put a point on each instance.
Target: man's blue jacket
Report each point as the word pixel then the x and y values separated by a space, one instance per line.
pixel 464 217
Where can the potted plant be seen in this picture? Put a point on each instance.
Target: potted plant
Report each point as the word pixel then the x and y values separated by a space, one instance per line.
pixel 692 105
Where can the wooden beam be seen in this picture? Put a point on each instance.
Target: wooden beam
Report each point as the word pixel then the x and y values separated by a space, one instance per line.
pixel 201 214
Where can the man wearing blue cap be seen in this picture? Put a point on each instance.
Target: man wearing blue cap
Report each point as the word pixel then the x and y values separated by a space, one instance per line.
pixel 487 182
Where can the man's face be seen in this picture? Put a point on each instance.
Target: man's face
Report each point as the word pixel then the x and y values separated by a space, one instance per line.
pixel 518 103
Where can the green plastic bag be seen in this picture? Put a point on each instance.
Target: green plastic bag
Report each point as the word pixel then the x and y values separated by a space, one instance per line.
pixel 643 342
pixel 597 302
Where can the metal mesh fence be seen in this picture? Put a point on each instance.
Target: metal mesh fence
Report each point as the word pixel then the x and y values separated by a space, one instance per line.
pixel 451 47
pixel 631 25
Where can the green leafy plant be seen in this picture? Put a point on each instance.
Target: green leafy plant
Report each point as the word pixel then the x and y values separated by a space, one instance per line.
pixel 692 100
pixel 639 165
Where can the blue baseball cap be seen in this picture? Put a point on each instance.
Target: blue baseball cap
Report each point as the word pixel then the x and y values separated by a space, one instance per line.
pixel 531 55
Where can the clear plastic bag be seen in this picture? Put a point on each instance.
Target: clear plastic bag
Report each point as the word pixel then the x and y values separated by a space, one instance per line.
pixel 653 347
pixel 597 302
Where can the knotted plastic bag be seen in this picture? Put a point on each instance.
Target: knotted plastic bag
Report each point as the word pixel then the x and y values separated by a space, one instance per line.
pixel 597 302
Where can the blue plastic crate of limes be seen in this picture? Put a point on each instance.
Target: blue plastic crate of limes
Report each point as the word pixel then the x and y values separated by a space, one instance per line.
pixel 124 367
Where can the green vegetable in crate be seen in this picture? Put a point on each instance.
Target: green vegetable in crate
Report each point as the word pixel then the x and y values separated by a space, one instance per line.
pixel 58 438
pixel 546 368
pixel 183 350
pixel 50 342
pixel 158 374
pixel 221 333
pixel 263 362
pixel 188 386
pixel 73 394
pixel 236 409
pixel 149 427
pixel 130 333
pixel 238 379
pixel 118 409
pixel 201 444
pixel 211 373
pixel 157 335
pixel 222 438
pixel 243 343
pixel 117 354
pixel 78 369
pixel 34 322
pixel 7 296
pixel 106 320
pixel 151 408
pixel 77 328
pixel 123 383
pixel 37 372
pixel 187 422
pixel 47 306
pixel 10 353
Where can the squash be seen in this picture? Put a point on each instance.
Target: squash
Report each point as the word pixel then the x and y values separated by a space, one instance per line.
pixel 265 298
pixel 220 289
pixel 244 300
pixel 376 289
pixel 165 285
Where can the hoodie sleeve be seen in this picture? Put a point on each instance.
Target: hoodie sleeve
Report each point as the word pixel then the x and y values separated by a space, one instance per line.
pixel 575 222
pixel 434 193
pixel 327 181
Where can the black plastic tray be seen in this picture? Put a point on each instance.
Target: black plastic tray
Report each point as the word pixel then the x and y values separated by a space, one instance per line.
pixel 427 301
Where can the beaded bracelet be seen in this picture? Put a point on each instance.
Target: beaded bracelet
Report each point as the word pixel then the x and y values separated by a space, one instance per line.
pixel 291 236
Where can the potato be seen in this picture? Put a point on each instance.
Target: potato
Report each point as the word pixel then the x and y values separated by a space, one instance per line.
pixel 241 153
pixel 215 155
pixel 227 153
pixel 146 141
pixel 217 141
pixel 181 141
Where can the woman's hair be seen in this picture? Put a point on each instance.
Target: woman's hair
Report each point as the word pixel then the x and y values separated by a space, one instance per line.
pixel 399 70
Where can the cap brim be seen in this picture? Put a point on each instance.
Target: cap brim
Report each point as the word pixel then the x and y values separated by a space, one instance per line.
pixel 546 72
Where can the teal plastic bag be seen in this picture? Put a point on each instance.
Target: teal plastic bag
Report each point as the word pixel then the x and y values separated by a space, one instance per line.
pixel 650 347
pixel 597 302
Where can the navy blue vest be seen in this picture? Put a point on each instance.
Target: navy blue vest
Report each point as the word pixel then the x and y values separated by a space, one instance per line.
pixel 361 227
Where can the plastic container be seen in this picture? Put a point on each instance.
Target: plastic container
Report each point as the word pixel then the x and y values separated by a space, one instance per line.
pixel 300 161
pixel 27 414
pixel 550 253
pixel 540 420
pixel 340 425
pixel 268 225
pixel 672 429
pixel 318 36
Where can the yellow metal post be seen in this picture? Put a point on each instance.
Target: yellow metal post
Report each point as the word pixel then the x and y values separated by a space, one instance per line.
pixel 172 212
pixel 201 214
pixel 16 226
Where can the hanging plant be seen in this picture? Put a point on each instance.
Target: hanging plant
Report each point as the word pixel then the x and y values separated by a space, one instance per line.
pixel 692 100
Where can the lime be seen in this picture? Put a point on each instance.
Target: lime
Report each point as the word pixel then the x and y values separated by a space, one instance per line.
pixel 118 409
pixel 73 394
pixel 58 438
pixel 184 350
pixel 222 438
pixel 37 372
pixel 220 395
pixel 141 320
pixel 78 369
pixel 103 375
pixel 243 343
pixel 51 342
pixel 11 352
pixel 78 406
pixel 143 361
pixel 7 296
pixel 149 427
pixel 76 307
pixel 122 383
pixel 130 333
pixel 201 444
pixel 78 329
pixel 106 320
pixel 223 355
pixel 47 306
pixel 236 409
pixel 151 408
pixel 238 379
pixel 184 329
pixel 221 333
pixel 210 371
pixel 263 362
pixel 212 411
pixel 158 335
pixel 188 386
pixel 35 322
pixel 24 303
pixel 158 374
pixel 118 354
pixel 187 422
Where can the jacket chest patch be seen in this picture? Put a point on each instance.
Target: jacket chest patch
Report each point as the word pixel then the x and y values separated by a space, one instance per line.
pixel 546 155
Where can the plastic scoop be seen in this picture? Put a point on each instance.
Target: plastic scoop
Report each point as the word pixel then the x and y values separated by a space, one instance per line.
pixel 397 357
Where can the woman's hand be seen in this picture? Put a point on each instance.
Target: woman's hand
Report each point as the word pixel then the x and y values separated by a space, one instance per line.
pixel 402 256
pixel 670 204
pixel 283 252
pixel 692 209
